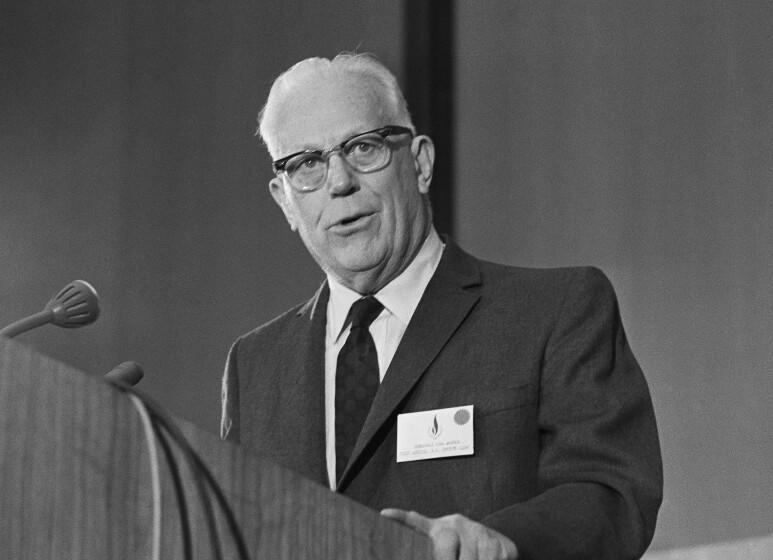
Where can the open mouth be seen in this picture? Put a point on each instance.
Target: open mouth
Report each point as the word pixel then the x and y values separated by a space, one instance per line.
pixel 352 219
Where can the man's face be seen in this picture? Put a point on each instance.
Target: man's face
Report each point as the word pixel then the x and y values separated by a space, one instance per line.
pixel 362 228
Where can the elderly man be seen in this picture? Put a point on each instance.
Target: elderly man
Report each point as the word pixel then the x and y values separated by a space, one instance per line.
pixel 497 409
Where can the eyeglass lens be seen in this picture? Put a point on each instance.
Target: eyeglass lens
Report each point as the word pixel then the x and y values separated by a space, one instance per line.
pixel 363 153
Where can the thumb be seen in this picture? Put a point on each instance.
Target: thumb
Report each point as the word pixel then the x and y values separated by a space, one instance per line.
pixel 410 518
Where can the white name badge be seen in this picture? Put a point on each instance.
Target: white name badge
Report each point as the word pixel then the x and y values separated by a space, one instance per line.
pixel 431 434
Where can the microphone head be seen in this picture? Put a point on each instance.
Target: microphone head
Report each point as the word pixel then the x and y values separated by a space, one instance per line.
pixel 77 304
pixel 128 373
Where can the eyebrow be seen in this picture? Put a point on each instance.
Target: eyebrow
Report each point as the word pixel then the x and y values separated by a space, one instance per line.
pixel 317 148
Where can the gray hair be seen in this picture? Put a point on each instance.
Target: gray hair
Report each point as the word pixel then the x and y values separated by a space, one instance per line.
pixel 310 71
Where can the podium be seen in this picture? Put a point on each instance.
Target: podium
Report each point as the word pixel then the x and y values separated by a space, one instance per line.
pixel 75 483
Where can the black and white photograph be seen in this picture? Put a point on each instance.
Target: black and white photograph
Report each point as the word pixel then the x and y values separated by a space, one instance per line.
pixel 367 280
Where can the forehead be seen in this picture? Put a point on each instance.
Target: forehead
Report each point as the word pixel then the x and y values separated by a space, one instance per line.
pixel 322 113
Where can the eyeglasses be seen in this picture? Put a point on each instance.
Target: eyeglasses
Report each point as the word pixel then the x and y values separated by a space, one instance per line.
pixel 365 153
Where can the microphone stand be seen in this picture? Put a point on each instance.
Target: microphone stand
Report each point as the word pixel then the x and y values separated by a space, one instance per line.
pixel 28 323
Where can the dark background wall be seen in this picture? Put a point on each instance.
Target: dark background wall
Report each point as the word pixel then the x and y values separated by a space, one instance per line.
pixel 636 136
pixel 633 136
pixel 128 158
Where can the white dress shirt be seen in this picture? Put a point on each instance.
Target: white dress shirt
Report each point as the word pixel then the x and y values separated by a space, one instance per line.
pixel 400 298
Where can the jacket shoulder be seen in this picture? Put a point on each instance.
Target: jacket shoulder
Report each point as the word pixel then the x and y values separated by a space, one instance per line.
pixel 273 328
pixel 546 282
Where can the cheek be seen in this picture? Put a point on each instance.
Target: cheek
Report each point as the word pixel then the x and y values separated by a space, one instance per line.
pixel 307 213
pixel 405 210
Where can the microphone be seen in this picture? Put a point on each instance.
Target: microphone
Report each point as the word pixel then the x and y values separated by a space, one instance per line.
pixel 127 373
pixel 76 305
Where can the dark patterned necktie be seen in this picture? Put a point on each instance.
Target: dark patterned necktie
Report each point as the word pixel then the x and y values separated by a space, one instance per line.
pixel 357 379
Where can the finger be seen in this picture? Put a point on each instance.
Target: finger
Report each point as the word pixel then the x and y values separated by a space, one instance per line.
pixel 475 542
pixel 495 545
pixel 446 544
pixel 469 541
pixel 411 518
pixel 487 547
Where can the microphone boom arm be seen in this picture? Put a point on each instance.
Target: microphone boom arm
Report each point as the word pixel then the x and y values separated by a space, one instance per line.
pixel 28 323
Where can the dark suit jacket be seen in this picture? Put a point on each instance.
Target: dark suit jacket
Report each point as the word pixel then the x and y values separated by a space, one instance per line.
pixel 567 461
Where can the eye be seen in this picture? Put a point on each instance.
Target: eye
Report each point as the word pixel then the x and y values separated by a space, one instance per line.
pixel 303 163
pixel 363 146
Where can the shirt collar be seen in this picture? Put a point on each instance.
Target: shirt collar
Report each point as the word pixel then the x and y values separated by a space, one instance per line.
pixel 400 297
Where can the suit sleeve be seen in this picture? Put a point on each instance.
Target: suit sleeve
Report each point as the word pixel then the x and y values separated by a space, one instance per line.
pixel 229 421
pixel 600 472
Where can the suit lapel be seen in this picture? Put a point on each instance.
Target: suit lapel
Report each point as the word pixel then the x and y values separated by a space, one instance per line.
pixel 302 421
pixel 446 302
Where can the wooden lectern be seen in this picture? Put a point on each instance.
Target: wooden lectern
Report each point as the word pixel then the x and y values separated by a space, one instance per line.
pixel 75 483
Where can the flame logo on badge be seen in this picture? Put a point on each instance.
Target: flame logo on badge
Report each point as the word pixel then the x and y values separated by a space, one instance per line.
pixel 434 430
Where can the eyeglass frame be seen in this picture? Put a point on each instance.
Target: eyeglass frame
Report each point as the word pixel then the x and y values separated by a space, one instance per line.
pixel 384 131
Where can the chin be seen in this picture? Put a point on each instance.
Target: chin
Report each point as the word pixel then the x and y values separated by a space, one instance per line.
pixel 356 262
pixel 358 254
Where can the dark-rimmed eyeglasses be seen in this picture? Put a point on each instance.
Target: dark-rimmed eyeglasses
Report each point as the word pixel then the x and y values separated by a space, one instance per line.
pixel 365 152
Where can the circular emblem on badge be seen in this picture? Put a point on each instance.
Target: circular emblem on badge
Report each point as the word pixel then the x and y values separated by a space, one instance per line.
pixel 461 416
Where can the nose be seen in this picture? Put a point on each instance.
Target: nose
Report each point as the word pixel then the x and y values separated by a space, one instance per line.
pixel 341 179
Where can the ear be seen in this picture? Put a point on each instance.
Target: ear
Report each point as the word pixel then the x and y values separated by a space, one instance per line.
pixel 424 161
pixel 277 188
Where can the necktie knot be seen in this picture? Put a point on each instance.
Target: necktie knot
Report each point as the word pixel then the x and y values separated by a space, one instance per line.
pixel 364 311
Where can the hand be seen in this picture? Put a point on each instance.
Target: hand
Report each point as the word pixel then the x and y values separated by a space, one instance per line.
pixel 454 537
